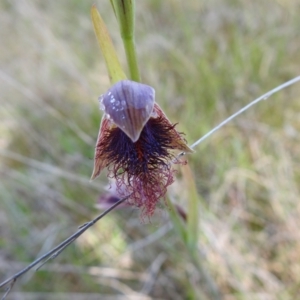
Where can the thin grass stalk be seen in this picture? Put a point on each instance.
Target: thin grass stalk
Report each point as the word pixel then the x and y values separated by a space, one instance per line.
pixel 58 249
pixel 259 99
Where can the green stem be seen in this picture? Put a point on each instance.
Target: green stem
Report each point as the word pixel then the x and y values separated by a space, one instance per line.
pixel 125 14
pixel 129 46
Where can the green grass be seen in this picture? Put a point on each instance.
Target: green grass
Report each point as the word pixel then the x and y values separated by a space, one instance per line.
pixel 205 59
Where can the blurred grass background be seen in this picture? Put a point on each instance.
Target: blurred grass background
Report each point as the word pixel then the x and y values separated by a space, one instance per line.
pixel 206 59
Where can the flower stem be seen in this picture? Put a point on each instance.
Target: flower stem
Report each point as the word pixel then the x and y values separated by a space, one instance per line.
pixel 129 45
pixel 125 14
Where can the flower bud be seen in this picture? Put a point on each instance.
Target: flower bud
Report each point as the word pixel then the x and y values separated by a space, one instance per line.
pixel 129 105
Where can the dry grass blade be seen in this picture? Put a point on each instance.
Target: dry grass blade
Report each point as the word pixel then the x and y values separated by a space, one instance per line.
pixel 57 250
pixel 153 273
pixel 263 97
pixel 9 288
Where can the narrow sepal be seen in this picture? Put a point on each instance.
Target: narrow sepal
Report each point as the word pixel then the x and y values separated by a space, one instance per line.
pixel 100 161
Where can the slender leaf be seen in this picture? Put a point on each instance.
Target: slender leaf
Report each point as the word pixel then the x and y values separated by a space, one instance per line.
pixel 111 59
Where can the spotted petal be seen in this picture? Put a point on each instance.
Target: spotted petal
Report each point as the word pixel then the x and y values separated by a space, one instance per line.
pixel 129 105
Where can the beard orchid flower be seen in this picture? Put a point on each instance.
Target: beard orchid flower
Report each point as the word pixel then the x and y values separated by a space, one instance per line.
pixel 136 144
